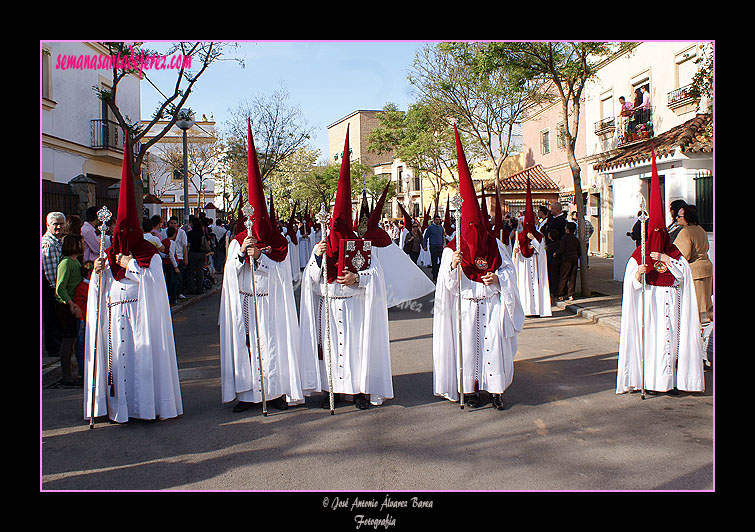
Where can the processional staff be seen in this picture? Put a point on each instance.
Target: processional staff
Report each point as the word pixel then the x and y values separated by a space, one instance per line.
pixel 643 218
pixel 103 215
pixel 248 211
pixel 324 220
pixel 456 202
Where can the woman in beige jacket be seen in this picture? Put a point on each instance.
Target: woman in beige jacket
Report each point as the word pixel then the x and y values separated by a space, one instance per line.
pixel 692 242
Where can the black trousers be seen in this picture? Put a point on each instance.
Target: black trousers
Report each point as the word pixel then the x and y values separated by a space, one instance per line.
pixel 435 254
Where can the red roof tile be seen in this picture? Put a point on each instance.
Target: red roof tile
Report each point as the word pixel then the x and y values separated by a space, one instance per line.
pixel 687 137
pixel 539 181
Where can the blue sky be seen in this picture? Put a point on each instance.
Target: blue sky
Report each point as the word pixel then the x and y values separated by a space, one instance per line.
pixel 326 79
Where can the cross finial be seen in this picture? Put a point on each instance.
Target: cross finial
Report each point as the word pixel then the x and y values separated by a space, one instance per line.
pixel 104 214
pixel 248 211
pixel 643 214
pixel 456 202
pixel 322 217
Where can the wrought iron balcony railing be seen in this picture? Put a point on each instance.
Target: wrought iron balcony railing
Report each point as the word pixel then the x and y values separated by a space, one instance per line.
pixel 106 134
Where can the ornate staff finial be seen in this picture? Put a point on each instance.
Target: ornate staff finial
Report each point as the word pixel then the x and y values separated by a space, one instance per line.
pixel 104 214
pixel 322 217
pixel 456 202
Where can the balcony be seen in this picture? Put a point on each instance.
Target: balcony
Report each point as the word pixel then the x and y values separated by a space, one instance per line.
pixel 681 96
pixel 106 135
pixel 635 128
pixel 606 126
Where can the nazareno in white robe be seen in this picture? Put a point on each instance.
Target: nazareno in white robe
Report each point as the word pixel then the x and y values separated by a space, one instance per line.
pixel 135 339
pixel 532 280
pixel 279 331
pixel 360 350
pixel 491 317
pixel 673 345
pixel 293 259
pixel 306 243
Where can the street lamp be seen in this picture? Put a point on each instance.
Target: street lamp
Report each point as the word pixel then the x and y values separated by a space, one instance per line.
pixel 184 123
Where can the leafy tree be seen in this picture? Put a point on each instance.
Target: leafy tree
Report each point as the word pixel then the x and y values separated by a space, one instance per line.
pixel 562 67
pixel 201 54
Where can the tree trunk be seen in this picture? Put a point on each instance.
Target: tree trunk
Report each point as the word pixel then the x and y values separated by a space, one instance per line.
pixel 576 175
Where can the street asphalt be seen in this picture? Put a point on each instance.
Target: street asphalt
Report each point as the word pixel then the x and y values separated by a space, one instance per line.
pixel 563 428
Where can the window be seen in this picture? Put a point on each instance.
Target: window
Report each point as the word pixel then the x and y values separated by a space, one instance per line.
pixel 545 143
pixel 606 106
pixel 46 71
pixel 685 67
pixel 560 135
pixel 704 198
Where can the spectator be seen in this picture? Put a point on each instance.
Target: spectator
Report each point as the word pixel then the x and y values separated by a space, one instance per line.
pixel 589 230
pixel 554 263
pixel 182 255
pixel 221 236
pixel 149 236
pixel 559 219
pixel 434 237
pixel 635 233
pixel 568 254
pixel 692 242
pixel 89 232
pixel 68 278
pixel 72 225
pixel 545 223
pixel 413 243
pixel 80 297
pixel 52 247
pixel 674 227
pixel 197 256
pixel 170 264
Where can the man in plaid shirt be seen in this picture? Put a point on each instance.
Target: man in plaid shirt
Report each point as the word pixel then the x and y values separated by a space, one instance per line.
pixel 52 254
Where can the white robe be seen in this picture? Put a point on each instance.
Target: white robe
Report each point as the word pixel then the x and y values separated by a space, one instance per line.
pixel 306 243
pixel 279 331
pixel 532 279
pixel 424 255
pixel 404 281
pixel 293 259
pixel 136 330
pixel 491 317
pixel 673 345
pixel 360 352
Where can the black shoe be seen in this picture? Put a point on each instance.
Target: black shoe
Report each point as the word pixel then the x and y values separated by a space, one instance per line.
pixel 651 392
pixel 497 400
pixel 472 401
pixel 242 406
pixel 673 391
pixel 280 403
pixel 361 402
pixel 326 402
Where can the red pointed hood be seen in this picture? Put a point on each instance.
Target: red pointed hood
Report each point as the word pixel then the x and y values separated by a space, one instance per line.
pixel 291 227
pixel 426 219
pixel 407 218
pixel 658 239
pixel 263 230
pixel 340 222
pixel 375 233
pixel 499 230
pixel 529 225
pixel 478 245
pixel 128 237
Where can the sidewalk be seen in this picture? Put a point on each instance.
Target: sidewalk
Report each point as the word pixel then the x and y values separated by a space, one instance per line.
pixel 603 308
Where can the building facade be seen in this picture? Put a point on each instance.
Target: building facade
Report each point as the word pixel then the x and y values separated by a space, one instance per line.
pixel 163 171
pixel 81 144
